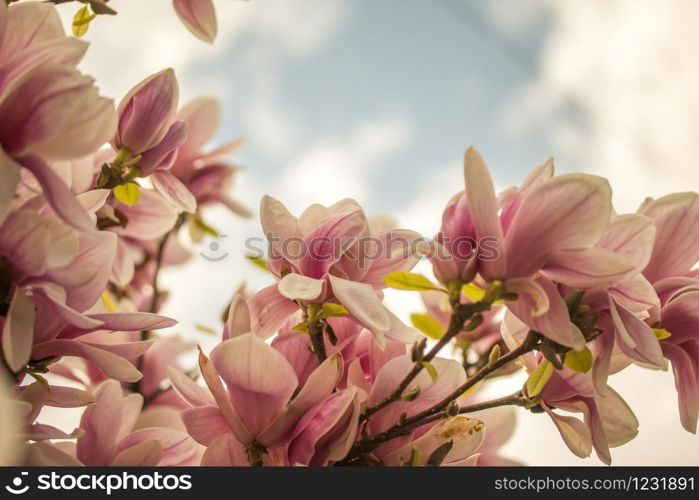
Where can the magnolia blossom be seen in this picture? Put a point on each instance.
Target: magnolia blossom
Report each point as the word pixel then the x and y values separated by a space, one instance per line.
pixel 50 111
pixel 330 254
pixel 148 131
pixel 672 271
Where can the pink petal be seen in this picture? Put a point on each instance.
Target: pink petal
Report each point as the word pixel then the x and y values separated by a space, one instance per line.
pixel 174 191
pixel 101 423
pixel 221 396
pixel 202 116
pixel 149 219
pixel 86 277
pixel 110 364
pixel 316 430
pixel 58 194
pixel 238 320
pixel 143 454
pixel 320 384
pixel 586 267
pixel 9 171
pixel 575 434
pixel 632 236
pixel 48 455
pixel 637 339
pixel 259 379
pixel 676 249
pixel 555 322
pixel 361 301
pixel 565 212
pixel 269 310
pixel 687 384
pixel 205 424
pixel 483 206
pixel 619 422
pixel 177 447
pixel 199 16
pixel 146 112
pixel 398 252
pixel 225 451
pixel 326 241
pixel 18 331
pixel 298 287
pixel 192 393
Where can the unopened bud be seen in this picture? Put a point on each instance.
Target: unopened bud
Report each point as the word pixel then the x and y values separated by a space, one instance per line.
pixel 494 355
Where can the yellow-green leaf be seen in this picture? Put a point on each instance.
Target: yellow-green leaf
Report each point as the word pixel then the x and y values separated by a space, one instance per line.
pixel 301 327
pixel 661 333
pixel 108 302
pixel 430 369
pixel 258 261
pixel 200 224
pixel 538 378
pixel 475 293
pixel 81 21
pixel 403 280
pixel 331 309
pixel 128 193
pixel 429 325
pixel 579 361
pixel 205 329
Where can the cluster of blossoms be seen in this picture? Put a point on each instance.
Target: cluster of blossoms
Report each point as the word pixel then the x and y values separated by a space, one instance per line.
pixel 314 369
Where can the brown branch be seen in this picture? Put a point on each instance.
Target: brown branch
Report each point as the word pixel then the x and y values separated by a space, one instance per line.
pixel 461 314
pixel 443 408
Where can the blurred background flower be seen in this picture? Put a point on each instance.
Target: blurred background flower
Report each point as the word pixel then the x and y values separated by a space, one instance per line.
pixel 378 100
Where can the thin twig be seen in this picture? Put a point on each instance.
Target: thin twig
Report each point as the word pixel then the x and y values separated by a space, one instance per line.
pixel 461 314
pixel 438 411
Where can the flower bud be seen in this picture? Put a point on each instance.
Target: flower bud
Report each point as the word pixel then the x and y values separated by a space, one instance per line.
pixel 147 112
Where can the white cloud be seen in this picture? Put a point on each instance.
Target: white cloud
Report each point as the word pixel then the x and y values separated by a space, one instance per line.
pixel 330 170
pixel 631 68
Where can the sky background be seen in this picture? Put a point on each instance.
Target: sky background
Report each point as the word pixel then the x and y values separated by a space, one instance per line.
pixel 377 100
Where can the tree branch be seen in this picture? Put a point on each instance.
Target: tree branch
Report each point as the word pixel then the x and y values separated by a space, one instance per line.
pixel 443 408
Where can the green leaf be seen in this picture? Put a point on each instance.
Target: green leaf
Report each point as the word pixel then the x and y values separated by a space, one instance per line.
pixel 438 455
pixel 661 333
pixel 301 327
pixel 429 325
pixel 414 459
pixel 412 394
pixel 81 21
pixel 128 193
pixel 205 329
pixel 331 309
pixel 430 369
pixel 475 293
pixel 579 361
pixel 258 261
pixel 199 222
pixel 538 378
pixel 403 280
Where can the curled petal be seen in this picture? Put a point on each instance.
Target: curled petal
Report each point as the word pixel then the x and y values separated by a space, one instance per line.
pixel 259 379
pixel 298 287
pixel 174 191
pixel 586 267
pixel 199 16
pixel 483 205
pixel 565 212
